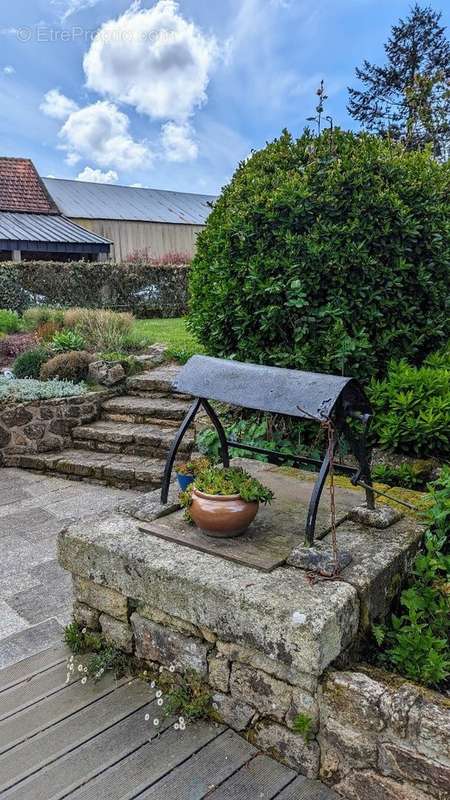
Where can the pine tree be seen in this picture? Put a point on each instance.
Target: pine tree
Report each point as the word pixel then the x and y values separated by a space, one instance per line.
pixel 409 97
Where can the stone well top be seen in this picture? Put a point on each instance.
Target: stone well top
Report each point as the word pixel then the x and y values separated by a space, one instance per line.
pixel 300 623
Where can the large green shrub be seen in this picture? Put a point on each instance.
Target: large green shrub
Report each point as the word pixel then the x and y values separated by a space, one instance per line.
pixel 327 254
pixel 9 321
pixel 412 410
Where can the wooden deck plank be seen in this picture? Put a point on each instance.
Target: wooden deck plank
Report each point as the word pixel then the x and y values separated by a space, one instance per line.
pixel 260 777
pixel 307 789
pixel 34 689
pixel 70 733
pixel 198 775
pixel 33 665
pixel 151 762
pixel 84 763
pixel 51 710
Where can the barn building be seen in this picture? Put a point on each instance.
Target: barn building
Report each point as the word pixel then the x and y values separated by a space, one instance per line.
pixel 139 222
pixel 31 224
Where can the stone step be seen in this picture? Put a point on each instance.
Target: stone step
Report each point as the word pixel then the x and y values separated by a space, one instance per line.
pixel 129 438
pixel 123 471
pixel 154 380
pixel 129 408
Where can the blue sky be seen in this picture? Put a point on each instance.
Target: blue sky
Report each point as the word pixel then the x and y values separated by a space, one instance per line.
pixel 172 95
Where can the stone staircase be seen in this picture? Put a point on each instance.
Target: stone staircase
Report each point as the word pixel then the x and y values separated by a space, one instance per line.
pixel 127 446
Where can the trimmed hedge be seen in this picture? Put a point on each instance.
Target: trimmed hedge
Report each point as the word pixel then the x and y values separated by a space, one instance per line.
pixel 328 254
pixel 145 290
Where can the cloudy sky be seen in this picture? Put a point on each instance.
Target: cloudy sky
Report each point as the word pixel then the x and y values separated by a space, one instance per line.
pixel 172 95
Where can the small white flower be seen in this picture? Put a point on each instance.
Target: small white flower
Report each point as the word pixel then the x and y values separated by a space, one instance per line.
pixel 181 720
pixel 147 717
pixel 70 659
pixel 80 667
pixel 176 726
pixel 156 722
pixel 83 680
pixel 85 669
pixel 172 668
pixel 182 726
pixel 152 685
pixel 145 672
pixel 84 630
pixel 160 701
pixel 215 706
pixel 159 693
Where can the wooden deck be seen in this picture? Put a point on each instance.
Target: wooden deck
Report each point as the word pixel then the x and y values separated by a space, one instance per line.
pixel 92 742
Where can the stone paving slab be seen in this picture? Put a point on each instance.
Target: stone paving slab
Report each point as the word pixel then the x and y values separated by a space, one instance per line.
pixel 35 593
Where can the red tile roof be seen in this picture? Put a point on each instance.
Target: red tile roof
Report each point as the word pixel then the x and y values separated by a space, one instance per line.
pixel 21 188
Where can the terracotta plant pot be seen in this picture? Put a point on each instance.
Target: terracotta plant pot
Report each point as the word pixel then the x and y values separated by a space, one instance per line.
pixel 221 515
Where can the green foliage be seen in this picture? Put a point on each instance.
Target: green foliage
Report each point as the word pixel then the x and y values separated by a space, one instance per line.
pixel 193 467
pixel 24 389
pixel 12 294
pixel 417 640
pixel 230 480
pixel 64 341
pixel 9 321
pixel 28 364
pixel 412 409
pixel 404 475
pixel 36 316
pixel 182 354
pixel 440 359
pixel 130 364
pixel 328 254
pixel 101 657
pixel 81 640
pixel 71 366
pixel 186 695
pixel 302 724
pixel 101 329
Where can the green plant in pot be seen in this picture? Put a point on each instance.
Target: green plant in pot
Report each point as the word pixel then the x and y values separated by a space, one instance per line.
pixel 223 501
pixel 187 471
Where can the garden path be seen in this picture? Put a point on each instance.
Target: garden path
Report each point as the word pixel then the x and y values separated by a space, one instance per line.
pixel 35 592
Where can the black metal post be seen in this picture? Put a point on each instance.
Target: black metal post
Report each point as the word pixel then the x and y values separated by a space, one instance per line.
pixel 174 448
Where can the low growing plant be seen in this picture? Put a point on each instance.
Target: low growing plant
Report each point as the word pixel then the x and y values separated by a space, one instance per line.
pixel 28 364
pixel 30 389
pixel 404 475
pixel 64 341
pixel 226 481
pixel 9 321
pixel 101 329
pixel 130 364
pixel 416 642
pixel 194 466
pixel 302 724
pixel 71 366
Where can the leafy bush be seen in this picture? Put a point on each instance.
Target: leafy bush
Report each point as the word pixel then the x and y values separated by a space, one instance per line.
pixel 328 254
pixel 412 410
pixel 417 640
pixel 404 475
pixel 12 294
pixel 71 366
pixel 65 341
pixel 100 328
pixel 36 316
pixel 29 389
pixel 28 364
pixel 9 321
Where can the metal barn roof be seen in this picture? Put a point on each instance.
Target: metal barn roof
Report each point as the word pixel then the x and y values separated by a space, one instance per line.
pixel 84 200
pixel 45 228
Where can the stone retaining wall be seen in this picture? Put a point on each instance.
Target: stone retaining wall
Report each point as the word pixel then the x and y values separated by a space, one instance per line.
pixel 40 426
pixel 251 693
pixel 383 738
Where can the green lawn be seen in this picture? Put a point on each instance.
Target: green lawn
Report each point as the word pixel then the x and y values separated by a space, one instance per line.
pixel 172 332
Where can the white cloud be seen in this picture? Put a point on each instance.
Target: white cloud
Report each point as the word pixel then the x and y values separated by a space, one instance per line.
pixel 8 70
pixel 101 132
pixel 97 176
pixel 57 105
pixel 177 142
pixel 69 7
pixel 152 59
